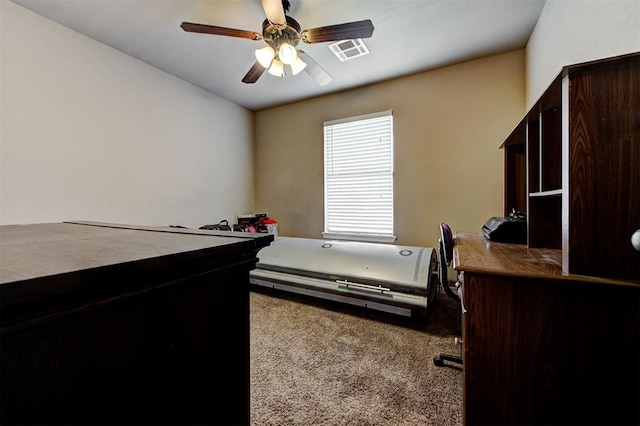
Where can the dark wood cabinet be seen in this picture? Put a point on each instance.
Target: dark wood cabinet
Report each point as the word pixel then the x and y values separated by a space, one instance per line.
pixel 580 180
pixel 545 347
pixel 111 324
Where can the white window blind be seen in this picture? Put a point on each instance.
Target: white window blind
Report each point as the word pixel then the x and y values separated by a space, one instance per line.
pixel 359 177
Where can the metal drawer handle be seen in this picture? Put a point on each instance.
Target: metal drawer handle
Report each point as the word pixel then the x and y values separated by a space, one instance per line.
pixel 460 285
pixel 363 286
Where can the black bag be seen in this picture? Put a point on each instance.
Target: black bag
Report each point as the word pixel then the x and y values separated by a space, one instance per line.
pixel 223 225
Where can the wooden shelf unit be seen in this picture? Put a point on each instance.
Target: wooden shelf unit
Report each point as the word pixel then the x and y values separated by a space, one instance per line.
pixel 572 165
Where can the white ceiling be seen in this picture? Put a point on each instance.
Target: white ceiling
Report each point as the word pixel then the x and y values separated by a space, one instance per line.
pixel 410 36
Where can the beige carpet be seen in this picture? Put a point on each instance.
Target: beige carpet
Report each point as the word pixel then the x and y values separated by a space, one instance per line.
pixel 317 363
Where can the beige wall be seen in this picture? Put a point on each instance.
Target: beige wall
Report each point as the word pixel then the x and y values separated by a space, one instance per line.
pixel 448 125
pixel 574 31
pixel 92 134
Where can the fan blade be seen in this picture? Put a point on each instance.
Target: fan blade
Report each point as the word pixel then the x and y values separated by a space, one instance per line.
pixel 212 29
pixel 254 73
pixel 314 70
pixel 274 11
pixel 349 30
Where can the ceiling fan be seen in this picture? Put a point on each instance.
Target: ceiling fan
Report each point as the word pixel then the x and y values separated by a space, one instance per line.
pixel 282 34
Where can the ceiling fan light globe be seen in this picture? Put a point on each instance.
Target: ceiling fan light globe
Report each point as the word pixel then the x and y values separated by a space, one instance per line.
pixel 287 53
pixel 265 55
pixel 277 68
pixel 297 66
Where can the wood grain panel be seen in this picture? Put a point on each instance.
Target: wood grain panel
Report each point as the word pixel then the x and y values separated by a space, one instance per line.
pixel 541 346
pixel 515 178
pixel 533 152
pixel 474 253
pixel 540 353
pixel 545 221
pixel 551 155
pixel 604 204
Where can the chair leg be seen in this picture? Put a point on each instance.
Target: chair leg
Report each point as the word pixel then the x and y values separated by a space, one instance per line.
pixel 439 360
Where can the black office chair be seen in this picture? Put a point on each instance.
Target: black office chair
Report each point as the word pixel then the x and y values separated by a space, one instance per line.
pixel 446 256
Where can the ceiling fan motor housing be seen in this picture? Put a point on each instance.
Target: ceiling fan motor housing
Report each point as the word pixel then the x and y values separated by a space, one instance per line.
pixel 274 36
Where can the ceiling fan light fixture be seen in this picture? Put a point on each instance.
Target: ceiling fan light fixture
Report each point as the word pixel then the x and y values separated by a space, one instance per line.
pixel 287 53
pixel 298 65
pixel 277 68
pixel 282 34
pixel 265 55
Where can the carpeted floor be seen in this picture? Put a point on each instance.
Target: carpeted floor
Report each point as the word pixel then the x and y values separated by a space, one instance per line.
pixel 318 363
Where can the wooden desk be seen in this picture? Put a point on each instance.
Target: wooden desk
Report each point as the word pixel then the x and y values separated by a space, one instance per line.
pixel 541 346
pixel 112 324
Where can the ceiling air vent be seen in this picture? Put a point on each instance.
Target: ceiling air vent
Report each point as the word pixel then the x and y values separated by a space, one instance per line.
pixel 349 49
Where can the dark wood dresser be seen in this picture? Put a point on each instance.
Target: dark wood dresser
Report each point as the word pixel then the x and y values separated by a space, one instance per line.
pixel 117 324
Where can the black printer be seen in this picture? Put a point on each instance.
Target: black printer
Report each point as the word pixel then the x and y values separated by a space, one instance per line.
pixel 510 229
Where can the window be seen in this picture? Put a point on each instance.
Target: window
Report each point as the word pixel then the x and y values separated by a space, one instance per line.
pixel 358 178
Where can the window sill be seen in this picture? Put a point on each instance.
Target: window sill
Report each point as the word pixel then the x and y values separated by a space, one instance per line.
pixel 368 238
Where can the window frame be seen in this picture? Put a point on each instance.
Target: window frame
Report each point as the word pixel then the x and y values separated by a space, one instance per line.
pixel 358 235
